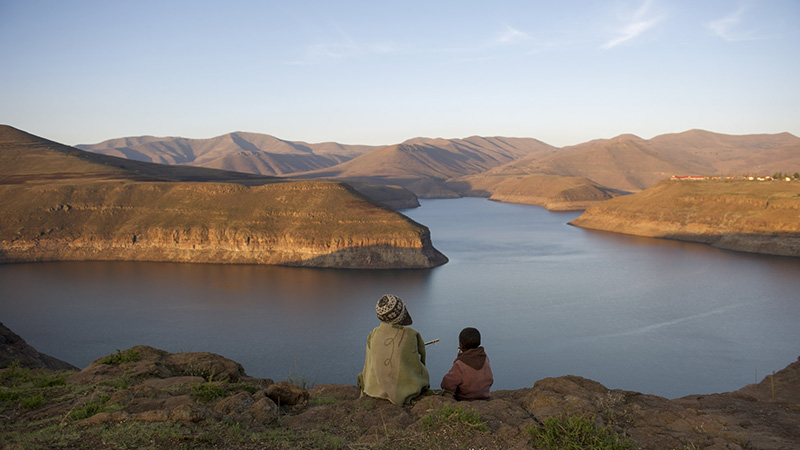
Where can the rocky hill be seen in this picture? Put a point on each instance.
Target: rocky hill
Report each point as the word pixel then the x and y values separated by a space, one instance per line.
pixel 145 397
pixel 749 216
pixel 60 203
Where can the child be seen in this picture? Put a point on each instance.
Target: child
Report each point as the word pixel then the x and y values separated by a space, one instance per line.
pixel 471 375
pixel 394 367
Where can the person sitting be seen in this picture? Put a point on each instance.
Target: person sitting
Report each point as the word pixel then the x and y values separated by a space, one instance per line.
pixel 394 367
pixel 471 375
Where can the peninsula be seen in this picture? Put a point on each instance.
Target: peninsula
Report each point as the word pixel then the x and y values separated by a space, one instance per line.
pixel 757 216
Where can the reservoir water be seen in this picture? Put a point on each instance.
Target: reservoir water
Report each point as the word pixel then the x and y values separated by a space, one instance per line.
pixel 655 316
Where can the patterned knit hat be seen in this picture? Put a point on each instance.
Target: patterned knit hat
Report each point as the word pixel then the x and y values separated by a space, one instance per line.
pixel 392 310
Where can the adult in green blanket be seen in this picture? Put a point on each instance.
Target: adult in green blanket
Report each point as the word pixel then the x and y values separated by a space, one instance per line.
pixel 394 367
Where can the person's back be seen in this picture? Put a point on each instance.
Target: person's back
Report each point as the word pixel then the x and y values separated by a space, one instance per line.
pixel 394 366
pixel 471 376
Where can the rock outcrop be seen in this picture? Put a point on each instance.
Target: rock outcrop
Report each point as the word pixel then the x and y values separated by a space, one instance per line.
pixel 14 349
pixel 203 394
pixel 749 216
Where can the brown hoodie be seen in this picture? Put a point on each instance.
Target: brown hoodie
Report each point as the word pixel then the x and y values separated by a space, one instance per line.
pixel 471 376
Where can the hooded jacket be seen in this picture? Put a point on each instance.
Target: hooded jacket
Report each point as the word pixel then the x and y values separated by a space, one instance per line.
pixel 471 376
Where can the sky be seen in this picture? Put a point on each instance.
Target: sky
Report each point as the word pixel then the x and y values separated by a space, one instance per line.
pixel 381 72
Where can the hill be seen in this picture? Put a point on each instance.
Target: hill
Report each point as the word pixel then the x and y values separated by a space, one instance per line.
pixel 553 192
pixel 630 163
pixel 423 165
pixel 750 216
pixel 239 151
pixel 61 203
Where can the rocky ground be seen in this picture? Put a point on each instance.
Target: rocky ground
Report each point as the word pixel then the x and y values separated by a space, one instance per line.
pixel 147 398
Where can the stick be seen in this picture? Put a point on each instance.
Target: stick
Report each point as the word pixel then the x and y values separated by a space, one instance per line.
pixel 432 342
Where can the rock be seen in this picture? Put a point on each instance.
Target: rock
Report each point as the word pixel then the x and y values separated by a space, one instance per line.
pixel 154 363
pixel 14 348
pixel 285 393
pixel 172 382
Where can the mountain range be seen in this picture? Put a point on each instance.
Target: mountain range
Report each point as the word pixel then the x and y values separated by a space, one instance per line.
pixel 508 169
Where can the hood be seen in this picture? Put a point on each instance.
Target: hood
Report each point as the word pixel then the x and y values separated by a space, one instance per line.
pixel 474 357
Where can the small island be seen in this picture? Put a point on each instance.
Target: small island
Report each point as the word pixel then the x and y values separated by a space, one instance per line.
pixel 744 214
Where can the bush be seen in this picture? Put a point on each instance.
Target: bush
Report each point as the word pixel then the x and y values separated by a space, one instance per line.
pixel 208 392
pixel 121 357
pixel 576 433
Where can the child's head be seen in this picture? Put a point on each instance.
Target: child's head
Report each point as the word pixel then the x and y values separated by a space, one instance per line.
pixel 469 338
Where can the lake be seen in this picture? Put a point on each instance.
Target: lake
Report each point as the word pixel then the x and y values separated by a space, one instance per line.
pixel 649 315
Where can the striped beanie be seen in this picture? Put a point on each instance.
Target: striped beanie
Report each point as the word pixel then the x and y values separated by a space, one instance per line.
pixel 392 310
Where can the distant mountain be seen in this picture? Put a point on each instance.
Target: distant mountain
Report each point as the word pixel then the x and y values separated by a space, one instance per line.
pixel 630 163
pixel 444 168
pixel 423 165
pixel 239 151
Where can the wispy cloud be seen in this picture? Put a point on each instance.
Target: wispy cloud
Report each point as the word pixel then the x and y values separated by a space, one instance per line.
pixel 511 35
pixel 729 29
pixel 338 48
pixel 640 21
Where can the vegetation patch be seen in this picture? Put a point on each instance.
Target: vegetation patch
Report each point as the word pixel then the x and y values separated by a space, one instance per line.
pixel 208 392
pixel 458 415
pixel 122 356
pixel 576 433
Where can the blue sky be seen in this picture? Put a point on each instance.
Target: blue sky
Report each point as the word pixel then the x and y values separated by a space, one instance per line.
pixel 370 72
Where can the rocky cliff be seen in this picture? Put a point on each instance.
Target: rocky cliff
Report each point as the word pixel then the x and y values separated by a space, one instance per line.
pixel 749 216
pixel 313 224
pixel 145 397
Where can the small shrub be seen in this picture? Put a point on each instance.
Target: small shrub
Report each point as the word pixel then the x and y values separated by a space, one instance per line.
pixel 121 357
pixel 32 402
pixel 91 408
pixel 207 392
pixel 576 433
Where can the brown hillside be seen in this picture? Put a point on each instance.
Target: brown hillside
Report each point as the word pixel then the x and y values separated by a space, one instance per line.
pixel 238 151
pixel 422 165
pixel 61 203
pixel 630 163
pixel 751 216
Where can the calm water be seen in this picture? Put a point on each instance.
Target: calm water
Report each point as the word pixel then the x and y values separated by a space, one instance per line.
pixel 648 315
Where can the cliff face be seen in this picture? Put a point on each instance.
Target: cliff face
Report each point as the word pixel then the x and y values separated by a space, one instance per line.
pixel 314 224
pixel 750 216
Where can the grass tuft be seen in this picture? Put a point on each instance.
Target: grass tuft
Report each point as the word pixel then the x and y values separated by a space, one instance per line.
pixel 576 433
pixel 121 357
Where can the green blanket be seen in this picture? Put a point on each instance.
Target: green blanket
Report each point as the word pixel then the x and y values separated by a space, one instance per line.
pixel 394 367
